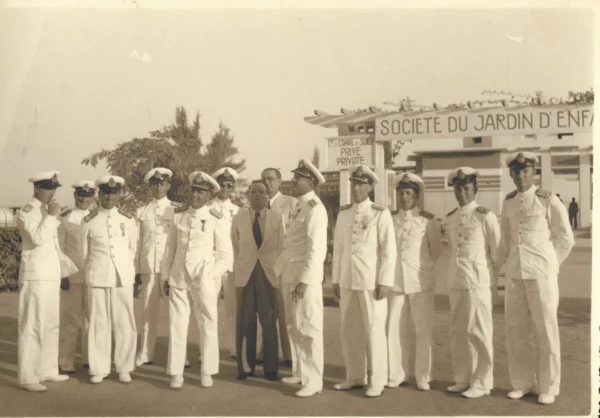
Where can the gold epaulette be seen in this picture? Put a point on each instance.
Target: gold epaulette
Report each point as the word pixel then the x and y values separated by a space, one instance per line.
pixel 66 212
pixel 216 213
pixel 378 207
pixel 426 214
pixel 452 211
pixel 348 206
pixel 312 203
pixel 482 209
pixel 90 215
pixel 543 193
pixel 511 195
pixel 176 204
pixel 125 213
pixel 26 208
pixel 182 208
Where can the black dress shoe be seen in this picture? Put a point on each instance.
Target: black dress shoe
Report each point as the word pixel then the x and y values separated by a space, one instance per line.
pixel 147 363
pixel 272 376
pixel 242 376
pixel 259 361
pixel 233 357
pixel 287 363
pixel 86 366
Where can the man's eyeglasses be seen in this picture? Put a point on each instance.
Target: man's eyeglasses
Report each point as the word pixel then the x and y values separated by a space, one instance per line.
pixel 227 186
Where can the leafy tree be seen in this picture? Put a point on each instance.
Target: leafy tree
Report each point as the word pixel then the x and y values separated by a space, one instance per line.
pixel 177 147
pixel 221 151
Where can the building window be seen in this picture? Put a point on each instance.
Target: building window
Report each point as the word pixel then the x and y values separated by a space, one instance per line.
pixel 361 129
pixel 371 129
pixel 351 128
pixel 477 140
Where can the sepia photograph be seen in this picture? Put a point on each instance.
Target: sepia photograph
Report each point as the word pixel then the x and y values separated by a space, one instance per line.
pixel 288 208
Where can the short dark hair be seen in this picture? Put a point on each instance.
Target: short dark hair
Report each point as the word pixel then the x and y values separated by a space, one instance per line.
pixel 256 182
pixel 276 170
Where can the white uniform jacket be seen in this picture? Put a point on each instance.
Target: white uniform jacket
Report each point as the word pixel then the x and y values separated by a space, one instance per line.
pixel 197 247
pixel 41 257
pixel 228 210
pixel 69 232
pixel 419 242
pixel 108 247
pixel 244 246
pixel 364 250
pixel 536 234
pixel 473 235
pixel 306 242
pixel 284 205
pixel 154 222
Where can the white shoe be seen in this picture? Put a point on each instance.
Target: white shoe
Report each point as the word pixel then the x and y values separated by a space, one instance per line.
pixel 33 387
pixel 55 378
pixel 187 363
pixel 292 380
pixel 518 394
pixel 457 388
pixel 140 362
pixel 206 381
pixel 394 384
pixel 546 399
pixel 475 393
pixel 176 382
pixel 98 378
pixel 124 377
pixel 373 392
pixel 349 384
pixel 423 386
pixel 307 392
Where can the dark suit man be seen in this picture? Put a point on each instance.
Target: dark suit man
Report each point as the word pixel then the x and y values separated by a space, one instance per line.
pixel 257 235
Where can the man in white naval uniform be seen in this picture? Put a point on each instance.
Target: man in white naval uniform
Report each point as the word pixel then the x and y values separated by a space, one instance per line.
pixel 364 256
pixel 226 178
pixel 197 254
pixel 536 239
pixel 74 312
pixel 154 222
pixel 108 248
pixel 42 266
pixel 409 326
pixel 302 277
pixel 473 237
pixel 285 206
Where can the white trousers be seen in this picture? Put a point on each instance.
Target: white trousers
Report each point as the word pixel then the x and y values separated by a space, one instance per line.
pixel 147 309
pixel 111 311
pixel 363 336
pixel 304 319
pixel 74 318
pixel 471 331
pixel 409 330
pixel 39 320
pixel 532 337
pixel 229 301
pixel 204 301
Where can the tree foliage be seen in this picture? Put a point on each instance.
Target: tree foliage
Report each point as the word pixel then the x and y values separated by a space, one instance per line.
pixel 177 147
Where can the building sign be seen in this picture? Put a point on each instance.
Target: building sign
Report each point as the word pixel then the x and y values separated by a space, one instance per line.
pixel 345 152
pixel 523 120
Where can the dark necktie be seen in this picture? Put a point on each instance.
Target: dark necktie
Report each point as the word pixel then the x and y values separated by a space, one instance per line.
pixel 268 204
pixel 256 230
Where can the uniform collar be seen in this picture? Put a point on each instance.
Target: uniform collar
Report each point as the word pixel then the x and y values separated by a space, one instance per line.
pixel 101 209
pixel 161 201
pixel 411 213
pixel 469 207
pixel 527 194
pixel 363 205
pixel 199 210
pixel 222 202
pixel 274 198
pixel 76 209
pixel 306 197
pixel 262 212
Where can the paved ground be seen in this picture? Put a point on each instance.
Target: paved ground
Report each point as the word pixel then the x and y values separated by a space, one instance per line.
pixel 148 394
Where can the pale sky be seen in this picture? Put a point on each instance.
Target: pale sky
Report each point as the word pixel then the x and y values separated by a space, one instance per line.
pixel 69 86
